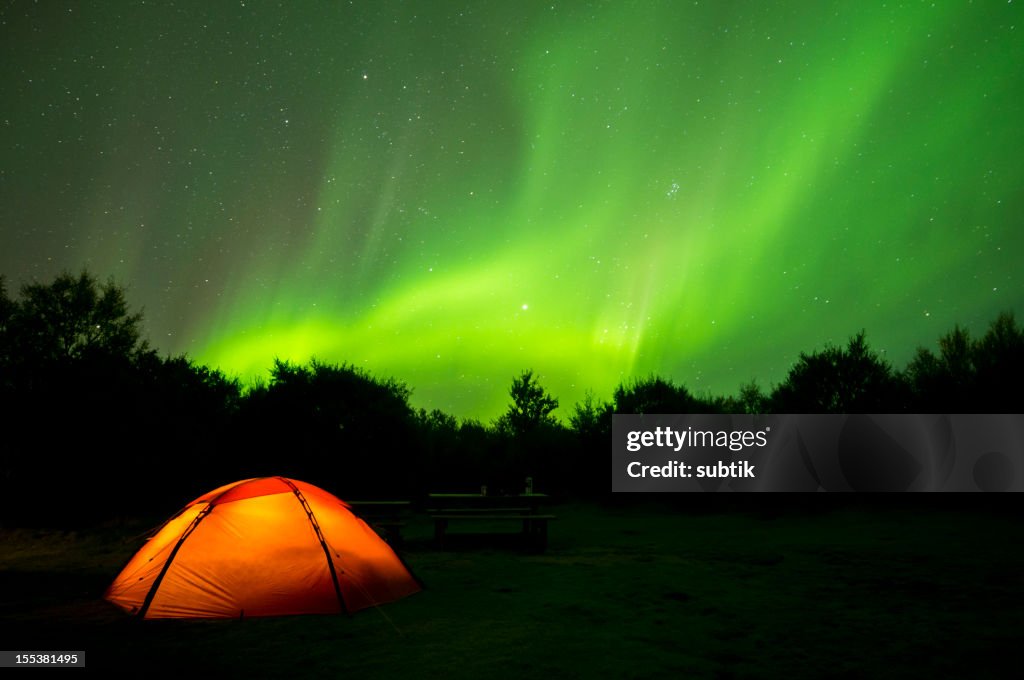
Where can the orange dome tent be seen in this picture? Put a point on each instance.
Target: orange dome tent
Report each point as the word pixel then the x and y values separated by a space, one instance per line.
pixel 261 547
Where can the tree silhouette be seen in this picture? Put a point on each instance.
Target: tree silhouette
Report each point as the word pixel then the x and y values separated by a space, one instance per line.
pixel 350 430
pixel 591 417
pixel 74 368
pixel 71 355
pixel 455 455
pixel 943 382
pixel 653 395
pixel 591 421
pixel 840 380
pixel 530 409
pixel 6 306
pixel 999 366
pixel 7 309
pixel 75 317
pixel 751 399
pixel 969 376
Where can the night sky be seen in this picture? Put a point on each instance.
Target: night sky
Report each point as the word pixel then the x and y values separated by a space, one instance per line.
pixel 449 193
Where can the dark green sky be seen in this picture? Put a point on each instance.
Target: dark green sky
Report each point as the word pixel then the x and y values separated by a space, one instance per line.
pixel 450 193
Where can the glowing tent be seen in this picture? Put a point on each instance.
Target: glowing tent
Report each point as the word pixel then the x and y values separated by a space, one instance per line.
pixel 261 547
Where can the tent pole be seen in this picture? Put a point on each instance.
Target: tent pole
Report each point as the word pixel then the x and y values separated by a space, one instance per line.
pixel 323 544
pixel 170 558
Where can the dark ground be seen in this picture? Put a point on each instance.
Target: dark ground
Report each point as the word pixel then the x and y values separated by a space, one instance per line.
pixel 910 589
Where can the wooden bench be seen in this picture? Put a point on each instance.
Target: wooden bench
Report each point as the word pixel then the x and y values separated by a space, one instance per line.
pixel 534 526
pixel 445 508
pixel 387 518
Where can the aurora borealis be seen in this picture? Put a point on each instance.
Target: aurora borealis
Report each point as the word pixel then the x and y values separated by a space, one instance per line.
pixel 452 193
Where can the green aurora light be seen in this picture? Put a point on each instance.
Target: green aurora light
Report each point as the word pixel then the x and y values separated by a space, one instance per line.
pixel 596 191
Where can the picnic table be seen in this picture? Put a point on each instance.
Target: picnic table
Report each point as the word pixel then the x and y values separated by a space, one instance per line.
pixel 385 517
pixel 486 510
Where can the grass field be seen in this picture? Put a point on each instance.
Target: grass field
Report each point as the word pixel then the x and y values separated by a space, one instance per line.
pixel 643 591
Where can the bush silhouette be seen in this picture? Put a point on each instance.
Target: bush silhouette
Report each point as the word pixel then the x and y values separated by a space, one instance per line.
pixel 333 424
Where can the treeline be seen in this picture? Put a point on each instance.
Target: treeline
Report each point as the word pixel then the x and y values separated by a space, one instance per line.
pixel 95 423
